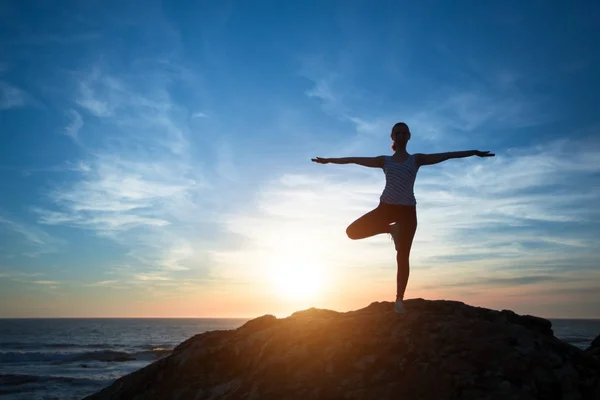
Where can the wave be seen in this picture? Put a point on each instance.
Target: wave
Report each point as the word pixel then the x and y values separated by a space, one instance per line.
pixel 24 346
pixel 576 339
pixel 22 379
pixel 63 358
pixel 13 383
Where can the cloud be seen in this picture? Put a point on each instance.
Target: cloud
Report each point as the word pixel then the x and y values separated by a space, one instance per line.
pixel 28 279
pixel 115 194
pixel 152 277
pixel 139 185
pixel 102 283
pixel 503 282
pixel 322 91
pixel 19 275
pixel 32 235
pixel 225 165
pixel 89 100
pixel 532 210
pixel 37 241
pixel 49 39
pixel 494 99
pixel 199 115
pixel 174 259
pixel 72 130
pixel 573 290
pixel 11 96
pixel 46 282
pixel 469 110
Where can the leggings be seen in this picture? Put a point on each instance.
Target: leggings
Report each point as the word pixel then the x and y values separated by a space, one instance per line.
pixel 378 221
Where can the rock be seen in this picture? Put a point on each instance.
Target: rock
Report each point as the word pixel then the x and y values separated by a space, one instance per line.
pixel 594 349
pixel 437 350
pixel 595 342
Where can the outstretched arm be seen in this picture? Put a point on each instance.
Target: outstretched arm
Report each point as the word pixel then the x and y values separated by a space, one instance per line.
pixel 373 162
pixel 429 159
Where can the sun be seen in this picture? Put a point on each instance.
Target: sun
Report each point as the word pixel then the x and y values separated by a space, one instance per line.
pixel 297 279
pixel 294 267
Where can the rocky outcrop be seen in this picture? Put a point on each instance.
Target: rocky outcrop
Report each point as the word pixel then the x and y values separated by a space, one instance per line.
pixel 437 350
pixel 594 349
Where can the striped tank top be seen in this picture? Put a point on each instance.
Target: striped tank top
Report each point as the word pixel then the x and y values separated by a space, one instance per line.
pixel 399 181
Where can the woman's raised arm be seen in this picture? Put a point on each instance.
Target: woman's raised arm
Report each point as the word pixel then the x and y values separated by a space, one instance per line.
pixel 373 162
pixel 429 159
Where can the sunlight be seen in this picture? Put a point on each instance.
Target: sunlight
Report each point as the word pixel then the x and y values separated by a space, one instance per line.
pixel 297 279
pixel 295 273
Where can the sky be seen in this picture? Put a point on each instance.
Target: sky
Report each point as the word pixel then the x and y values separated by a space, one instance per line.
pixel 155 157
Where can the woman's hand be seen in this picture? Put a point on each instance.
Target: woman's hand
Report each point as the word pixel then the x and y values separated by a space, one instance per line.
pixel 484 153
pixel 320 160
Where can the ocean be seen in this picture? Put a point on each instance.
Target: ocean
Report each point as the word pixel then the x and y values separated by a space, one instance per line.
pixel 71 358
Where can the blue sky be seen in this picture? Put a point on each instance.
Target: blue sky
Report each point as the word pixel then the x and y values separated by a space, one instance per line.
pixel 155 157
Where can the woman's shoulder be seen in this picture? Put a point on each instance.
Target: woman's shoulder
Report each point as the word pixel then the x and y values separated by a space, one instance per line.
pixel 383 159
pixel 417 158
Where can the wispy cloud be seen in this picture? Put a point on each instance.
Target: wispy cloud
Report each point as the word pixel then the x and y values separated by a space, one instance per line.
pixel 139 185
pixel 30 280
pixel 175 259
pixel 102 283
pixel 151 277
pixel 50 39
pixel 322 91
pixel 528 210
pixel 18 275
pixel 46 282
pixel 466 105
pixel 225 166
pixel 472 107
pixel 90 100
pixel 11 96
pixel 37 241
pixel 116 194
pixel 487 282
pixel 73 128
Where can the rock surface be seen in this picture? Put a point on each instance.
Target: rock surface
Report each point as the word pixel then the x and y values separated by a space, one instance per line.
pixel 594 349
pixel 437 350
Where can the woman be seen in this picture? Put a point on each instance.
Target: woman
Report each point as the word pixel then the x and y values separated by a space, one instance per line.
pixel 396 213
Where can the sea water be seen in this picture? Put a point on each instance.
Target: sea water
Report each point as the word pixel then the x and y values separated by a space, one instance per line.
pixel 71 358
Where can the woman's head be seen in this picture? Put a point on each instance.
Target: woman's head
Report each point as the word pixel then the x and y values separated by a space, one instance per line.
pixel 400 135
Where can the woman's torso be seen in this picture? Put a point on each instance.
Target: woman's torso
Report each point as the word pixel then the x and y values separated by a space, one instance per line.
pixel 399 181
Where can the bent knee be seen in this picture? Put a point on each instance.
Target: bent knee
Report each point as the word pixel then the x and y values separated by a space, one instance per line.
pixel 351 233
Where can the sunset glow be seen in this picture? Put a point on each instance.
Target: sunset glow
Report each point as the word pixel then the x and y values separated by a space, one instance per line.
pixel 297 279
pixel 294 265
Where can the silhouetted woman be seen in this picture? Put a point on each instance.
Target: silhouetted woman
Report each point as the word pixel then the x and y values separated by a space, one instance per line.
pixel 396 213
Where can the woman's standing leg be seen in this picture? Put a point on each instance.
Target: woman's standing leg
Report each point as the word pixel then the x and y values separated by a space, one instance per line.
pixel 404 235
